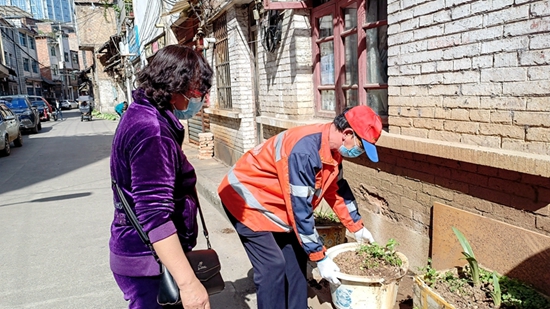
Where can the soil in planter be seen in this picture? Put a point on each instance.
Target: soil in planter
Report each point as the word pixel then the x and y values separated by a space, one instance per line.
pixel 350 262
pixel 463 295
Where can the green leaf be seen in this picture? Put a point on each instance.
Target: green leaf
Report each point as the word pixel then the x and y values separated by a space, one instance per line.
pixel 464 243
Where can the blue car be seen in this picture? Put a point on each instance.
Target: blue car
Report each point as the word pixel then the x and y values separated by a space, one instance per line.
pixel 22 107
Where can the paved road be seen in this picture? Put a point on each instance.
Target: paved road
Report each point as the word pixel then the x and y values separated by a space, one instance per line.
pixel 55 213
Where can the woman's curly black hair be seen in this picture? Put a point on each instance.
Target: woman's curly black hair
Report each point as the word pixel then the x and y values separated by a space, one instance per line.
pixel 175 69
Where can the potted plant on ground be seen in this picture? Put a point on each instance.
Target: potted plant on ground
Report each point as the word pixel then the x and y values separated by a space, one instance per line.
pixel 329 227
pixel 472 286
pixel 369 275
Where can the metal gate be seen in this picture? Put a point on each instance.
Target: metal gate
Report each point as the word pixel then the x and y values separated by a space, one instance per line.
pixel 198 124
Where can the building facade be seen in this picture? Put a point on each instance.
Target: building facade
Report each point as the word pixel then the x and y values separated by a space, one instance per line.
pixel 60 66
pixel 20 53
pixel 95 25
pixel 52 10
pixel 462 87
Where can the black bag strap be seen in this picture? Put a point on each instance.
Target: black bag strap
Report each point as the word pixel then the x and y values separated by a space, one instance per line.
pixel 135 223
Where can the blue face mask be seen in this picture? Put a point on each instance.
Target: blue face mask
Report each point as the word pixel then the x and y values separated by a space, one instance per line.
pixel 194 106
pixel 354 152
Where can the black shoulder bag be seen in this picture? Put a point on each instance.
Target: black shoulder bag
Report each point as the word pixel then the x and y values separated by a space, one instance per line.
pixel 205 263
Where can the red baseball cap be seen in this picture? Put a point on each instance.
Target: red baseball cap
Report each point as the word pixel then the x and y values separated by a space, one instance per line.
pixel 368 126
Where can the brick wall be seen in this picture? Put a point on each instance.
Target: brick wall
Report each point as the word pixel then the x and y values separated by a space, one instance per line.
pixel 474 72
pixel 95 26
pixel 43 53
pixel 285 75
pixel 403 187
pixel 234 136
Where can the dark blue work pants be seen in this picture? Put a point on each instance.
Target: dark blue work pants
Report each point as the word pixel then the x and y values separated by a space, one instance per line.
pixel 279 264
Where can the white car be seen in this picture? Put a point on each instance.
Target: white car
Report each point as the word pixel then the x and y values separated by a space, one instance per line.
pixel 9 130
pixel 65 104
pixel 73 104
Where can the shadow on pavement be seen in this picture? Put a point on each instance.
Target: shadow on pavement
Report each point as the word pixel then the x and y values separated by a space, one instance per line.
pixel 236 294
pixel 46 158
pixel 52 198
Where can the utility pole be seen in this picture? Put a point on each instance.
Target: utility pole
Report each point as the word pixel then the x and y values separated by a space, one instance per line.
pixel 61 60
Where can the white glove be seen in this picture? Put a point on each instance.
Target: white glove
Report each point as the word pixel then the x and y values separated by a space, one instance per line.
pixel 363 235
pixel 328 270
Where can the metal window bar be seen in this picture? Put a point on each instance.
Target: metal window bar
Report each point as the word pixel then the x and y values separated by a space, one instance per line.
pixel 223 75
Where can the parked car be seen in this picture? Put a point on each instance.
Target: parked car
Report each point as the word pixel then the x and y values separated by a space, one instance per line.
pixel 65 104
pixel 9 130
pixel 22 107
pixel 73 104
pixel 42 108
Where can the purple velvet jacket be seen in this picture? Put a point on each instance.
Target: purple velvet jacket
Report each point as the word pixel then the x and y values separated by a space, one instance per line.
pixel 158 182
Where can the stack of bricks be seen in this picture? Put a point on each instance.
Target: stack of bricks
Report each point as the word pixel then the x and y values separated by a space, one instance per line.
pixel 206 145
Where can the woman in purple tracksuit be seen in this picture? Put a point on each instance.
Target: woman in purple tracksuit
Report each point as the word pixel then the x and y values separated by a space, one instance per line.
pixel 157 179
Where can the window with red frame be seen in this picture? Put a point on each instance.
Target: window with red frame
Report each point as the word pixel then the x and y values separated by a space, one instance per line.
pixel 350 55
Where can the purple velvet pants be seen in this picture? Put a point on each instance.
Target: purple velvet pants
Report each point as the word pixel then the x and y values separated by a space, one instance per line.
pixel 141 292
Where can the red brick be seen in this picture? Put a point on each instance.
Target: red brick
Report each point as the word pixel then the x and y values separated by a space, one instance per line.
pixel 526 204
pixel 470 178
pixel 451 184
pixel 490 195
pixel 535 180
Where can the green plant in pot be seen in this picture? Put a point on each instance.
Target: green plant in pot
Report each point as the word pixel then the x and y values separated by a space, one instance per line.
pixel 369 275
pixel 329 227
pixel 472 286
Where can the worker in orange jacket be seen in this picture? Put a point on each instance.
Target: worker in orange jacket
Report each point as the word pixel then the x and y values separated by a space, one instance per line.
pixel 270 194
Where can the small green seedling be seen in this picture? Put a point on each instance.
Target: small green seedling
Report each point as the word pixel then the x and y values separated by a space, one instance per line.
pixel 496 294
pixel 430 274
pixel 375 252
pixel 469 256
pixel 325 216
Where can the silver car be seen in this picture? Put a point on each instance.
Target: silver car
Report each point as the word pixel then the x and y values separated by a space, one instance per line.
pixel 9 130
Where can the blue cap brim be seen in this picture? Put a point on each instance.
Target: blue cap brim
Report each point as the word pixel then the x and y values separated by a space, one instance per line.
pixel 370 150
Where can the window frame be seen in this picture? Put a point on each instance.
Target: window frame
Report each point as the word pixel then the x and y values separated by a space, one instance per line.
pixel 26 65
pixel 23 39
pixel 223 90
pixel 336 8
pixel 34 66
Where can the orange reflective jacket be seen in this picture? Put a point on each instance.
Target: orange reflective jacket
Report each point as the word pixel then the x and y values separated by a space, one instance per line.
pixel 277 185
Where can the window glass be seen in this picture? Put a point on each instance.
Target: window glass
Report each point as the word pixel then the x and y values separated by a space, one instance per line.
pixel 16 103
pixel 26 64
pixel 22 39
pixel 327 63
pixel 351 97
pixel 376 10
pixel 350 46
pixel 35 66
pixel 328 101
pixel 325 26
pixel 377 99
pixel 377 55
pixel 350 18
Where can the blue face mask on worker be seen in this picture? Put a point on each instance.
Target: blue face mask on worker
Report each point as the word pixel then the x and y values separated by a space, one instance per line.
pixel 354 152
pixel 193 107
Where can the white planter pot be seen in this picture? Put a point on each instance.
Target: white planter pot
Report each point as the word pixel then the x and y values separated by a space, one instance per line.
pixel 359 292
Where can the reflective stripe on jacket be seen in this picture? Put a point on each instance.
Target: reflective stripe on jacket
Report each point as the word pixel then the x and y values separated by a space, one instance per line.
pixel 276 186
